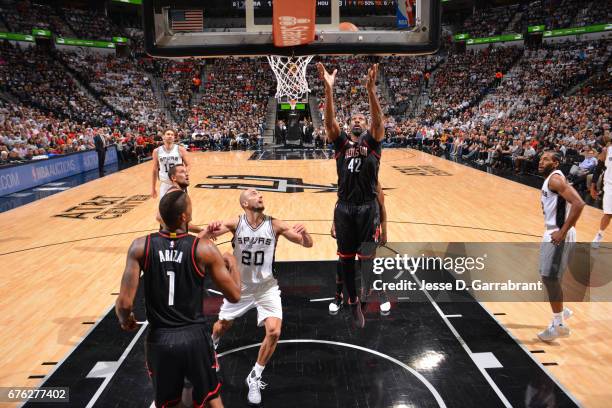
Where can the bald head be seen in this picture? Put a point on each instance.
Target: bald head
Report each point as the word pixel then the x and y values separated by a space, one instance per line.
pixel 251 200
pixel 244 195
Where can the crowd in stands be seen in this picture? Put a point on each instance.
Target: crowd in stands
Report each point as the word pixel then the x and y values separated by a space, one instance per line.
pixel 405 77
pixel 119 82
pixel 177 78
pixel 22 16
pixel 497 106
pixel 465 78
pixel 489 21
pixel 234 102
pixel 91 24
pixel 350 93
pixel 37 78
pixel 553 14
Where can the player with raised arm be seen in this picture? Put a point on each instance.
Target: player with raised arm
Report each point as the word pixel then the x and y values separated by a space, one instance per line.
pixel 255 238
pixel 356 216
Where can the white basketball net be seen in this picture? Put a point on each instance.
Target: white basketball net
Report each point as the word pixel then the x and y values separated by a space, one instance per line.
pixel 290 75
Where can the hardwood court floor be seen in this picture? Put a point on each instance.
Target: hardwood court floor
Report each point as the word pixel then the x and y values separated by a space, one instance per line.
pixel 63 256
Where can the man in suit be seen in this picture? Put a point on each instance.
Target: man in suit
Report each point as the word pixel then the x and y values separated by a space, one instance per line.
pixel 101 150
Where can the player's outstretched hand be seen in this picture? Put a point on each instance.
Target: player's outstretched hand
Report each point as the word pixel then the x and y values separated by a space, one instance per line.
pixel 372 75
pixel 299 229
pixel 154 193
pixel 209 232
pixel 130 324
pixel 327 78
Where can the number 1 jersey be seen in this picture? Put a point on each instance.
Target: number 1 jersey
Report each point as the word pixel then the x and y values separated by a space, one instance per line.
pixel 173 283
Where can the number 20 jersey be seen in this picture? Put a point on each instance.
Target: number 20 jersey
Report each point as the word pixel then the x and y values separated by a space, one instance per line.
pixel 357 164
pixel 254 251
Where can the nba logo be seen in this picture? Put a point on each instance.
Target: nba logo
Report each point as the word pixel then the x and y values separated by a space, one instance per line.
pixel 171 244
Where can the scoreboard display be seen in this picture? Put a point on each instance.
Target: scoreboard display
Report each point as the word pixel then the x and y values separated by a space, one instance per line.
pixel 324 4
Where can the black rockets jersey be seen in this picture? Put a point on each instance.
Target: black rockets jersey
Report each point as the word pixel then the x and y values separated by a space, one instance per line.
pixel 357 165
pixel 174 285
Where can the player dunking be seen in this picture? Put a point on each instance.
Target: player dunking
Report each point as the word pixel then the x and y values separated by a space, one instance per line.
pixel 604 165
pixel 255 237
pixel 356 216
pixel 562 207
pixel 164 157
pixel 178 343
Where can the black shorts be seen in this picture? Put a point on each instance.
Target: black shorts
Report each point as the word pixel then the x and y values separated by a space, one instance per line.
pixel 175 354
pixel 357 228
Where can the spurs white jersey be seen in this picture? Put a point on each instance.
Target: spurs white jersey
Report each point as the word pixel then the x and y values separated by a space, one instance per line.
pixel 167 159
pixel 554 206
pixel 608 173
pixel 254 250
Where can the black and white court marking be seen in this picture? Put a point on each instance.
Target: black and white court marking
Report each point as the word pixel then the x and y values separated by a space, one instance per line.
pixel 423 354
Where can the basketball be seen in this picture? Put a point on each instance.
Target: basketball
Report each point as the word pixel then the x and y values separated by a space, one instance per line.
pixel 347 26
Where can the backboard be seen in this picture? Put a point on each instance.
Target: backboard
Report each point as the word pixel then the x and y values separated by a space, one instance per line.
pixel 212 28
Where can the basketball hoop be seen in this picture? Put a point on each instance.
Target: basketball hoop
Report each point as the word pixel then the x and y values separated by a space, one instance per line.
pixel 290 75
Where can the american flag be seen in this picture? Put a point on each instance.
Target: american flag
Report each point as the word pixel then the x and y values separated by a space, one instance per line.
pixel 187 20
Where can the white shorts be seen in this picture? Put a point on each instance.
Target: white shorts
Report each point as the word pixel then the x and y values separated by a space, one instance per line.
pixel 266 297
pixel 163 189
pixel 607 199
pixel 555 259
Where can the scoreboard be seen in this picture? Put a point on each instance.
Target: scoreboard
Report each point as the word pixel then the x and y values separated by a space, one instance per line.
pixel 267 4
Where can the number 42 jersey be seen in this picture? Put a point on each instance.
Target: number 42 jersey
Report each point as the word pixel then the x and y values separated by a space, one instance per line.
pixel 254 250
pixel 357 164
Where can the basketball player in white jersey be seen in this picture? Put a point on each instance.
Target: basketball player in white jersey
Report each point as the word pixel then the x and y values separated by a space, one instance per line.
pixel 255 237
pixel 165 156
pixel 562 207
pixel 604 165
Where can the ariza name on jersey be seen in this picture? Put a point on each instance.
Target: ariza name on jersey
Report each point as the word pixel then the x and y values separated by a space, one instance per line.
pixel 170 255
pixel 253 240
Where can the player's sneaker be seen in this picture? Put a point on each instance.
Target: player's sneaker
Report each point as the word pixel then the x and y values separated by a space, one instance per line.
pixel 357 313
pixel 255 386
pixel 567 313
pixel 553 332
pixel 385 305
pixel 336 305
pixel 596 241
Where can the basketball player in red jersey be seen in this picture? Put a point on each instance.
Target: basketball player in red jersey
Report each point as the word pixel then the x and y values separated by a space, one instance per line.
pixel 357 216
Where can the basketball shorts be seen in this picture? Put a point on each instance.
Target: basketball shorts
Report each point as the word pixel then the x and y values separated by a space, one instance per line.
pixel 264 296
pixel 357 228
pixel 607 199
pixel 173 354
pixel 555 259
